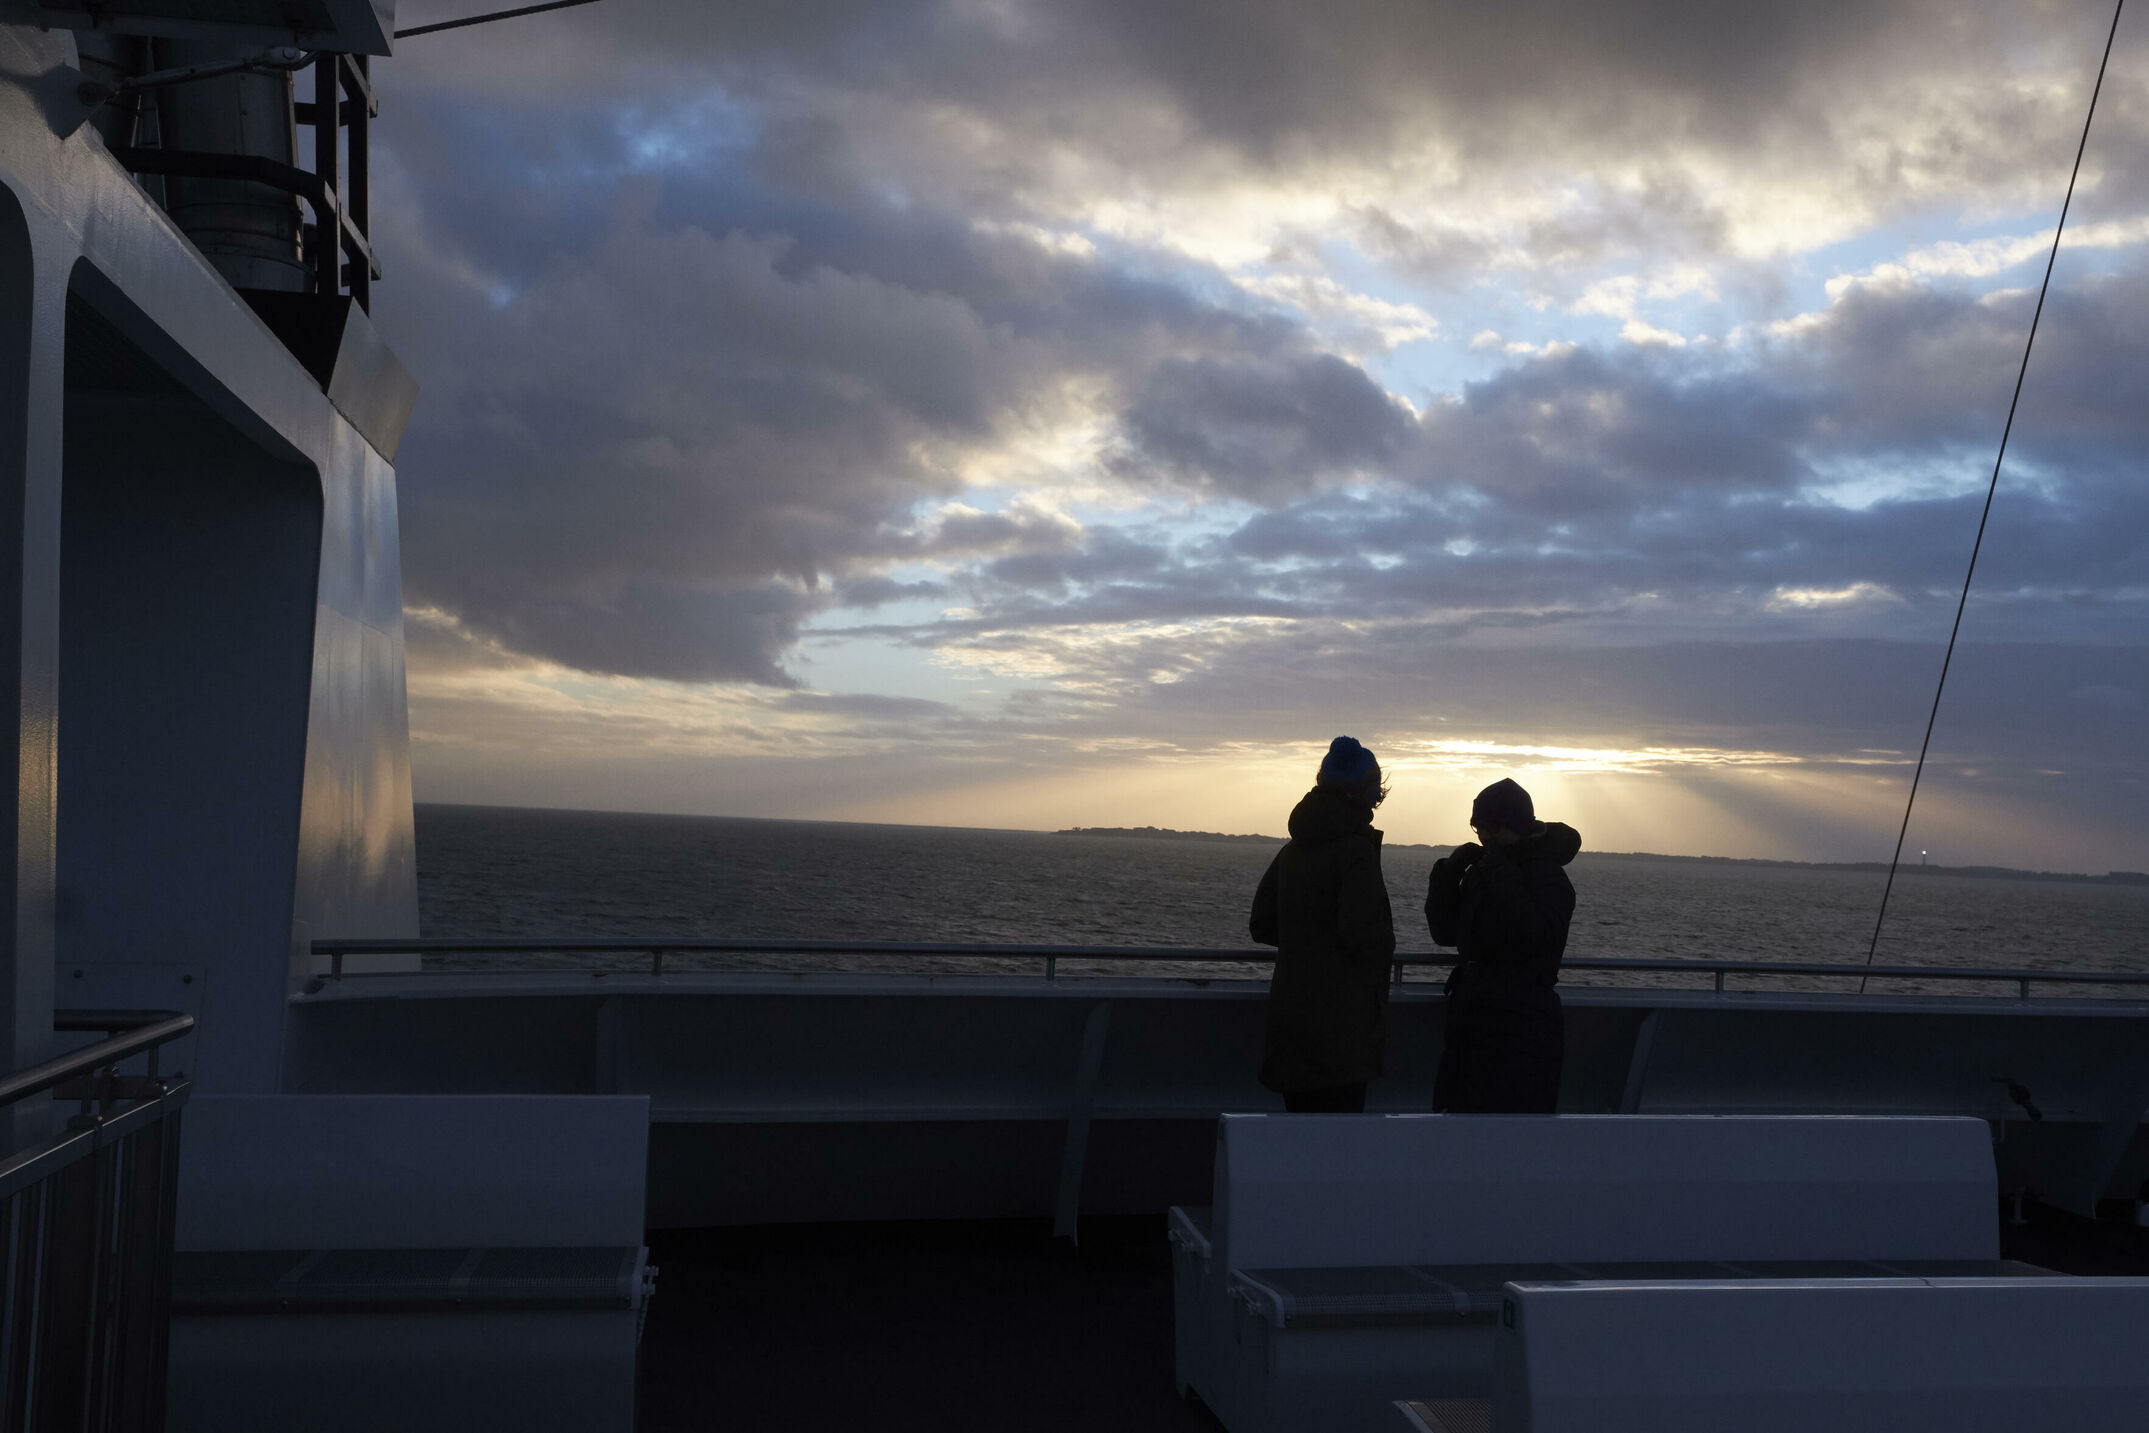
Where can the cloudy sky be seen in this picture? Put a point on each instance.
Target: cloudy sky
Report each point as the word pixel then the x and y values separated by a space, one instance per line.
pixel 1049 412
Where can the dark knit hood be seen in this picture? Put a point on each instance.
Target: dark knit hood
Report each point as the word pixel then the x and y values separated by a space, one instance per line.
pixel 1324 814
pixel 1553 841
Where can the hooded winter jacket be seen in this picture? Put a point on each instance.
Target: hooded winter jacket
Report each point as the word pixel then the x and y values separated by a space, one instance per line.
pixel 1324 906
pixel 1506 910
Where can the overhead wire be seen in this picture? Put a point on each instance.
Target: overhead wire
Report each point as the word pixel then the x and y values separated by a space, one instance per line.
pixel 1992 488
pixel 487 19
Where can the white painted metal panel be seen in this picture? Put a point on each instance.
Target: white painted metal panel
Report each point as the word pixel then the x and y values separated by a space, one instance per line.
pixel 412 1172
pixel 327 776
pixel 1851 1356
pixel 1355 1191
pixel 1318 1191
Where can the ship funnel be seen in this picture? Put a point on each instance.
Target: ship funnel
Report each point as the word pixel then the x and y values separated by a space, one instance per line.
pixel 249 230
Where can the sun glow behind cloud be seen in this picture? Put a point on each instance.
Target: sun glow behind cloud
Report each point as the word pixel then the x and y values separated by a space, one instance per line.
pixel 1473 756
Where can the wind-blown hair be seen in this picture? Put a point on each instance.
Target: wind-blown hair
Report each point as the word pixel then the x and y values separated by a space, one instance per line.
pixel 1367 791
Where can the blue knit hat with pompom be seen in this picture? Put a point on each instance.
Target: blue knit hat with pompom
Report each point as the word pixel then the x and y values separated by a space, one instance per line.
pixel 1347 764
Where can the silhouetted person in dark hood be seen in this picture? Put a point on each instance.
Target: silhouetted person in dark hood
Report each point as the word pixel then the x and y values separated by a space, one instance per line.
pixel 1324 906
pixel 1505 907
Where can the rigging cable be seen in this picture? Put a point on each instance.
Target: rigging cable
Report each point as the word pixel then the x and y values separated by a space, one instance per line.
pixel 487 19
pixel 1992 488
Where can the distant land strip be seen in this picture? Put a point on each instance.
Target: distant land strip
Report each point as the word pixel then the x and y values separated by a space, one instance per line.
pixel 2003 873
pixel 1165 833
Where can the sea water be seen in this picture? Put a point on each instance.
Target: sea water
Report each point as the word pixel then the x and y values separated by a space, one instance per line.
pixel 488 871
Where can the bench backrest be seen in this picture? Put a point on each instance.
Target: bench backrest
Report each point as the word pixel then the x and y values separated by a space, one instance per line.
pixel 1851 1356
pixel 413 1171
pixel 1311 1191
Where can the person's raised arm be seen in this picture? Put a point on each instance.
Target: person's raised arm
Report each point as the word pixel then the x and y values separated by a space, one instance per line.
pixel 1443 891
pixel 1261 925
pixel 1521 919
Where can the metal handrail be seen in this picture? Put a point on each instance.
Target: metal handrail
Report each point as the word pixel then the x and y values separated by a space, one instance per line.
pixel 335 950
pixel 91 1058
pixel 88 1218
pixel 107 1020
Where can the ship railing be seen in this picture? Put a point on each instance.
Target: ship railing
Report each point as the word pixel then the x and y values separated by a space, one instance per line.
pixel 338 187
pixel 86 1230
pixel 651 956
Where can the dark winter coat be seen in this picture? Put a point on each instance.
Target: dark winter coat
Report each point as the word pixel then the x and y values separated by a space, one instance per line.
pixel 1506 910
pixel 1324 906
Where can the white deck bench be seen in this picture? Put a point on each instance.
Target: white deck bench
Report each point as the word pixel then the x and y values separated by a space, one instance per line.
pixel 1349 1261
pixel 486 1247
pixel 1859 1356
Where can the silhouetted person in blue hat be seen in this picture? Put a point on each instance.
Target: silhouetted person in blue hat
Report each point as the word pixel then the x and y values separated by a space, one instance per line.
pixel 1324 906
pixel 1505 907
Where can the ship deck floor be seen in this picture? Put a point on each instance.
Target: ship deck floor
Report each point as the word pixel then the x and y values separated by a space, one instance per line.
pixel 942 1325
pixel 984 1324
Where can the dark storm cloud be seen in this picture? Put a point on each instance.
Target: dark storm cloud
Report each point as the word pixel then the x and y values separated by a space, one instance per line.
pixel 1269 74
pixel 649 457
pixel 866 592
pixel 1276 80
pixel 1643 114
pixel 1591 430
pixel 1107 556
pixel 1264 431
pixel 660 630
pixel 1908 367
pixel 969 533
pixel 658 450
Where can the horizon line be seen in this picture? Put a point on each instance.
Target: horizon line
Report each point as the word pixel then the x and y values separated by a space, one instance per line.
pixel 1167 833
